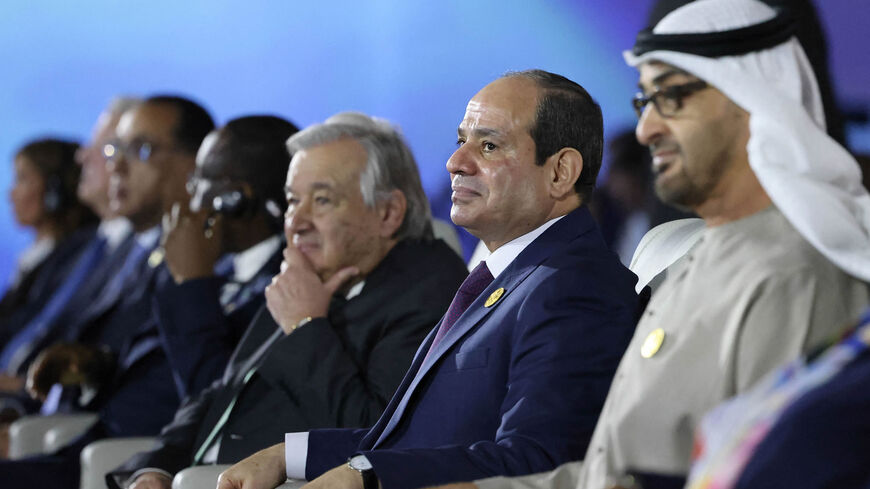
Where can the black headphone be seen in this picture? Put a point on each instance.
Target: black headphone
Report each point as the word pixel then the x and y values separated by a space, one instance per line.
pixel 235 203
pixel 53 198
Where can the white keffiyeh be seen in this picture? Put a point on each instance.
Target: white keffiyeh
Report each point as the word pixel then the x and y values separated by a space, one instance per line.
pixel 813 180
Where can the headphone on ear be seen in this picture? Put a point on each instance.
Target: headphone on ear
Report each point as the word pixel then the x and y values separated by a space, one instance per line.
pixel 232 204
pixel 235 203
pixel 53 197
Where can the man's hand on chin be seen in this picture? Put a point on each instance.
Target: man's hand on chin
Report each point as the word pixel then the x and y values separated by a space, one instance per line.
pixel 263 470
pixel 341 477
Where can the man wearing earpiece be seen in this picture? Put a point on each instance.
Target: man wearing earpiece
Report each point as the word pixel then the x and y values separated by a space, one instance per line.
pixel 233 221
pixel 118 354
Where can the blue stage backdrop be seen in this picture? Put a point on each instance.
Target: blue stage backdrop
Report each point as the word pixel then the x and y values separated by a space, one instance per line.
pixel 414 63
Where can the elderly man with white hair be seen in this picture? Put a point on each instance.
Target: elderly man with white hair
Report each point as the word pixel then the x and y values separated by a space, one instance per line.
pixel 731 113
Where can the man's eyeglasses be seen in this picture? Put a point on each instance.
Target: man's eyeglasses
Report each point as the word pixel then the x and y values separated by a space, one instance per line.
pixel 669 100
pixel 196 182
pixel 137 150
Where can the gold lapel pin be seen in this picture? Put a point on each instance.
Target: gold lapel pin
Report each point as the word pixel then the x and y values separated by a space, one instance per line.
pixel 156 257
pixel 494 297
pixel 652 343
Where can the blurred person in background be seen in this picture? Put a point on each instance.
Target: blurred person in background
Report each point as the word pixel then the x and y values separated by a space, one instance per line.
pixel 118 355
pixel 44 200
pixel 625 205
pixel 93 266
pixel 223 247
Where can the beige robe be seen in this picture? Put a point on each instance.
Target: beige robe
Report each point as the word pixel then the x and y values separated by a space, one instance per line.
pixel 750 296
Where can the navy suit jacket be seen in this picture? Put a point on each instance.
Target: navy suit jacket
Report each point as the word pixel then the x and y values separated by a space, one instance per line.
pixel 197 332
pixel 177 350
pixel 86 293
pixel 20 305
pixel 144 367
pixel 513 388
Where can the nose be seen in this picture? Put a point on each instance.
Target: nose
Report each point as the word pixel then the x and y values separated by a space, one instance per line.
pixel 117 163
pixel 297 219
pixel 460 162
pixel 82 154
pixel 650 126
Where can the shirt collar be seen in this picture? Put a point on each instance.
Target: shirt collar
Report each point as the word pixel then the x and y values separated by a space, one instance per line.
pixel 499 259
pixel 247 263
pixel 355 290
pixel 114 230
pixel 148 239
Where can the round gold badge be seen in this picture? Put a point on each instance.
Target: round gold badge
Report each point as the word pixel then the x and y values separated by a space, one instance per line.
pixel 652 343
pixel 494 297
pixel 156 257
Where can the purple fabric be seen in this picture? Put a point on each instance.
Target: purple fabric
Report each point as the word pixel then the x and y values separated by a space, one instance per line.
pixel 474 284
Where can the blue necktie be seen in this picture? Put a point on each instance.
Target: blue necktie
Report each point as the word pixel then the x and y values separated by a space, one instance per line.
pixel 127 271
pixel 15 350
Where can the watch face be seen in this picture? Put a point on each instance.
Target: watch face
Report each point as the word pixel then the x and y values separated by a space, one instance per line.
pixel 360 463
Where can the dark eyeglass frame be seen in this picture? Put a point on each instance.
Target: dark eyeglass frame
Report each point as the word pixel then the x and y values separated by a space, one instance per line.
pixel 137 150
pixel 674 94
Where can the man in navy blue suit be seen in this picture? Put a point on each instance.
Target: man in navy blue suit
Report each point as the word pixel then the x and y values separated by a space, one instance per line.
pixel 149 163
pixel 223 248
pixel 103 257
pixel 513 378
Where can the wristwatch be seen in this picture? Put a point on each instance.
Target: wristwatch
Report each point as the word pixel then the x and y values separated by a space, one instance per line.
pixel 362 465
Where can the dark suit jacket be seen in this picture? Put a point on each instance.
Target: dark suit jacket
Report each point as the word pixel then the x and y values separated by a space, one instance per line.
pixel 123 322
pixel 334 371
pixel 822 440
pixel 87 292
pixel 179 348
pixel 21 304
pixel 513 388
pixel 142 396
pixel 197 332
pixel 117 310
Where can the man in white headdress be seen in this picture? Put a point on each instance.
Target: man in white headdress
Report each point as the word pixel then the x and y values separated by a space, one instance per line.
pixel 736 130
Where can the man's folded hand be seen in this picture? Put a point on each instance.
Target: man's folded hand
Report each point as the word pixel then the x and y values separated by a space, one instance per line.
pixel 68 364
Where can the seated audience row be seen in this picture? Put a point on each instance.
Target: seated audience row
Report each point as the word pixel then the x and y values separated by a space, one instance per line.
pixel 781 266
pixel 353 350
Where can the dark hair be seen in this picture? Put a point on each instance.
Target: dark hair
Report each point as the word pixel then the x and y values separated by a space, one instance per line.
pixel 256 148
pixel 54 160
pixel 193 123
pixel 566 117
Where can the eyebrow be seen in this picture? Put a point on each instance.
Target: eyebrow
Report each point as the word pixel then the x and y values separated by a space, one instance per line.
pixel 480 132
pixel 314 186
pixel 664 76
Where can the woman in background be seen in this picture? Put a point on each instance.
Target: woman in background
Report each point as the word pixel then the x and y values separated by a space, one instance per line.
pixel 44 199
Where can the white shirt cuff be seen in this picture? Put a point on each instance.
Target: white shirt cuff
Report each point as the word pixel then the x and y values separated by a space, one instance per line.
pixel 296 454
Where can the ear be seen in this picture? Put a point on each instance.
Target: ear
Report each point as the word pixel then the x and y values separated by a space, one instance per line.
pixel 567 164
pixel 392 213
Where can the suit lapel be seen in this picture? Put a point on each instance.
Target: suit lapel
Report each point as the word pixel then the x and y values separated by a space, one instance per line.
pixel 256 285
pixel 551 242
pixel 261 335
